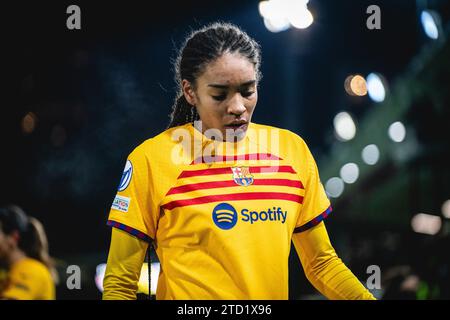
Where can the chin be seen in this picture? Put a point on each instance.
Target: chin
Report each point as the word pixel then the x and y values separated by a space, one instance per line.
pixel 236 136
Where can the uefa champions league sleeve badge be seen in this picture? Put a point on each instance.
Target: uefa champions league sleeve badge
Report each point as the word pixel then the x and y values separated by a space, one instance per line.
pixel 126 176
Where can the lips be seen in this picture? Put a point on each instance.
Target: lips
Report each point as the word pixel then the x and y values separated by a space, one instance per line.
pixel 235 131
pixel 236 125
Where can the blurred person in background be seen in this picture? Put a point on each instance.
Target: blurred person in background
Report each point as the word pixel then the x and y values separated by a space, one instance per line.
pixel 28 270
pixel 180 208
pixel 400 283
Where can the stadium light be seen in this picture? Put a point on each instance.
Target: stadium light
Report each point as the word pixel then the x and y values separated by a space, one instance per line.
pixel 397 131
pixel 100 275
pixel 276 25
pixel 334 187
pixel 446 209
pixel 29 122
pixel 344 126
pixel 280 15
pixel 376 87
pixel 349 172
pixel 370 154
pixel 430 22
pixel 143 278
pixel 426 223
pixel 299 16
pixel 355 85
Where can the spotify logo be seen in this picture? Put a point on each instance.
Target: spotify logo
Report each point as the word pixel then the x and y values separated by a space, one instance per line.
pixel 224 216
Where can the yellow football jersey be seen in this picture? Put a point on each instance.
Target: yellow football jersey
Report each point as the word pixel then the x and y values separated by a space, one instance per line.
pixel 29 279
pixel 221 214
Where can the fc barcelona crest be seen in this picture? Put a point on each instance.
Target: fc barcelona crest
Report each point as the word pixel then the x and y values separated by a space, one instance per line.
pixel 242 176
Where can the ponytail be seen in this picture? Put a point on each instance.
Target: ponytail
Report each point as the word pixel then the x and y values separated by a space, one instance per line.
pixel 35 245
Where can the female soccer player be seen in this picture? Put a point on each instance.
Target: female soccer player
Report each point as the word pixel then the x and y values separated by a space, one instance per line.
pixel 220 197
pixel 24 251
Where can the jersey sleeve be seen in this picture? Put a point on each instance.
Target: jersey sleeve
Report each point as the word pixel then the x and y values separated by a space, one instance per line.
pixel 134 210
pixel 324 269
pixel 125 258
pixel 316 205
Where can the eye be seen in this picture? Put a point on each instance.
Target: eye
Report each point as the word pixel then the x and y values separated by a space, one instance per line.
pixel 220 97
pixel 247 93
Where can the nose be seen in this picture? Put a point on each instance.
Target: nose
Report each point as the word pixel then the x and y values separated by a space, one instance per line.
pixel 236 106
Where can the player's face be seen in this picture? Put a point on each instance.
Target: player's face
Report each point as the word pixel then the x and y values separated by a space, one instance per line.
pixel 225 95
pixel 4 248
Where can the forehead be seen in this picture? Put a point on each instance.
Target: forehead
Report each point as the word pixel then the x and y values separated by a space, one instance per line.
pixel 229 69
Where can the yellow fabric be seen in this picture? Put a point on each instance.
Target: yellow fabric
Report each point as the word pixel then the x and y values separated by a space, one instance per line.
pixel 3 279
pixel 123 267
pixel 184 204
pixel 324 269
pixel 29 279
pixel 316 201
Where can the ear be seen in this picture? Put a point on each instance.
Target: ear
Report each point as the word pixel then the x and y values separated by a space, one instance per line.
pixel 15 237
pixel 189 93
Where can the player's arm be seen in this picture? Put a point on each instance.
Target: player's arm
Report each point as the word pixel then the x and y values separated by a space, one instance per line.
pixel 134 217
pixel 123 268
pixel 324 269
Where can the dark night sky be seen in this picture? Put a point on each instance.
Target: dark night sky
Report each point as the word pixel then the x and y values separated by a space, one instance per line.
pixel 110 86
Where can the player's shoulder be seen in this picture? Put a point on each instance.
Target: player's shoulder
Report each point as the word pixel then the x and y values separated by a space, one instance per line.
pixel 30 266
pixel 161 143
pixel 286 136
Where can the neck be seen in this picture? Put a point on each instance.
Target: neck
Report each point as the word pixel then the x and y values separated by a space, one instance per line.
pixel 16 256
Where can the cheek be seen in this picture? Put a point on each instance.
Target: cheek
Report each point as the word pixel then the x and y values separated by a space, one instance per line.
pixel 210 109
pixel 3 244
pixel 209 115
pixel 252 104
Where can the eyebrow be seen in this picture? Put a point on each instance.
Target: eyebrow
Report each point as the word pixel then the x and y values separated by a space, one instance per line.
pixel 224 86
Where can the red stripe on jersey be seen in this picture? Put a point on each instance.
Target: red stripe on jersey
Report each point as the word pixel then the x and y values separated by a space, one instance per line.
pixel 234 196
pixel 256 169
pixel 249 156
pixel 231 183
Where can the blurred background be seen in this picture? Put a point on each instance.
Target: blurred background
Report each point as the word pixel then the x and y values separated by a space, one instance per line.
pixel 372 104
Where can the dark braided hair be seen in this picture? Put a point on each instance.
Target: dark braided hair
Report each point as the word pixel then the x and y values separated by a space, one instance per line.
pixel 202 47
